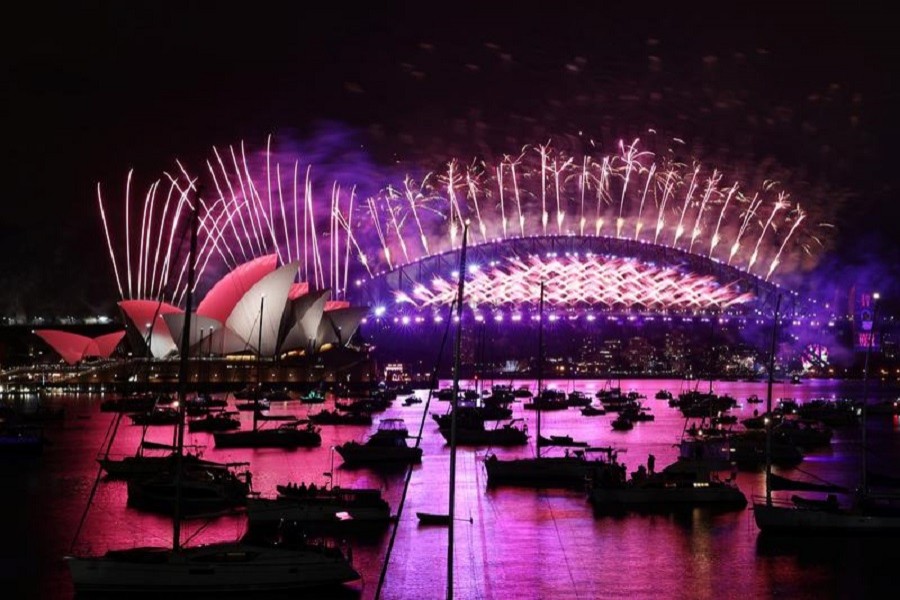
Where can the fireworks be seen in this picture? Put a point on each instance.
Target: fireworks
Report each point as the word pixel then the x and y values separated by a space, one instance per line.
pixel 255 205
pixel 591 281
pixel 693 210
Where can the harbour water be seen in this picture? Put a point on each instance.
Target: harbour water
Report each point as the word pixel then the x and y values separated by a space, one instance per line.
pixel 520 543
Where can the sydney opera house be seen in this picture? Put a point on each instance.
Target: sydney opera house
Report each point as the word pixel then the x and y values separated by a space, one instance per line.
pixel 257 317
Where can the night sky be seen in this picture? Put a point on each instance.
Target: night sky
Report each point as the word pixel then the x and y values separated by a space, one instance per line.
pixel 803 93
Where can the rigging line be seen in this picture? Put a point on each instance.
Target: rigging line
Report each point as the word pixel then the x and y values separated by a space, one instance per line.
pixel 814 476
pixel 431 386
pixel 110 433
pixel 479 534
pixel 206 525
pixel 156 315
pixel 561 544
pixel 146 533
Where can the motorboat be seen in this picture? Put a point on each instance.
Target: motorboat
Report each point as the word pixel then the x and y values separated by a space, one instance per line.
pixel 387 445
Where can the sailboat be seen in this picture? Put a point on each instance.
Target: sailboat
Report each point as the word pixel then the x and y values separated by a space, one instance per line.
pixel 863 512
pixel 198 489
pixel 241 566
pixel 143 462
pixel 161 457
pixel 452 428
pixel 464 425
pixel 571 470
pixel 289 434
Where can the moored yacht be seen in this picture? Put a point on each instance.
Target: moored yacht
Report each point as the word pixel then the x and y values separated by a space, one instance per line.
pixel 236 568
pixel 200 490
pixel 668 489
pixel 475 433
pixel 387 445
pixel 338 507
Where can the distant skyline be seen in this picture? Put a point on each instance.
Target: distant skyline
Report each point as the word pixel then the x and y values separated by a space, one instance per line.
pixel 799 93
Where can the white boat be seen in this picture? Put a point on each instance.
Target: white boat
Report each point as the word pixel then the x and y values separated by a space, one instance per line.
pixel 861 512
pixel 242 566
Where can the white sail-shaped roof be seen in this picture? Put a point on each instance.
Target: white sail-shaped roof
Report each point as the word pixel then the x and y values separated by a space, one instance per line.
pixel 225 341
pixel 341 324
pixel 307 313
pixel 202 329
pixel 263 304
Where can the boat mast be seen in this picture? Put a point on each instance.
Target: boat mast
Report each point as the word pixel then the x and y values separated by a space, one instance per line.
pixel 258 391
pixel 433 384
pixel 768 419
pixel 864 480
pixel 540 368
pixel 455 401
pixel 182 379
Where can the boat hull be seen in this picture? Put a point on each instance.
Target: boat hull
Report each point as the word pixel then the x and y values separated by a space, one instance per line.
pixel 159 496
pixel 778 518
pixel 218 568
pixel 271 438
pixel 486 437
pixel 212 425
pixel 269 510
pixel 433 518
pixel 722 497
pixel 361 454
pixel 140 466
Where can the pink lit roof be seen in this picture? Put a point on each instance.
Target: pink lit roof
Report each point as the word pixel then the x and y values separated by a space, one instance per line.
pixel 336 304
pixel 228 291
pixel 105 344
pixel 140 313
pixel 298 289
pixel 71 346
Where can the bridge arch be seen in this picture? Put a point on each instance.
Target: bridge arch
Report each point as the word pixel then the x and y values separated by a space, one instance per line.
pixel 653 278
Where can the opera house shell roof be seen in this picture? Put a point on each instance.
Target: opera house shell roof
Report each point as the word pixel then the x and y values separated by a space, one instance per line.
pixel 74 347
pixel 257 308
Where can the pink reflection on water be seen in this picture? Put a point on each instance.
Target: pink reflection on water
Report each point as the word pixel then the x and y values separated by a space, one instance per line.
pixel 521 542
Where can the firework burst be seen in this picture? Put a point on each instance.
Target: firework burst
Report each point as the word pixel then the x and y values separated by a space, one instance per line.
pixel 255 205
